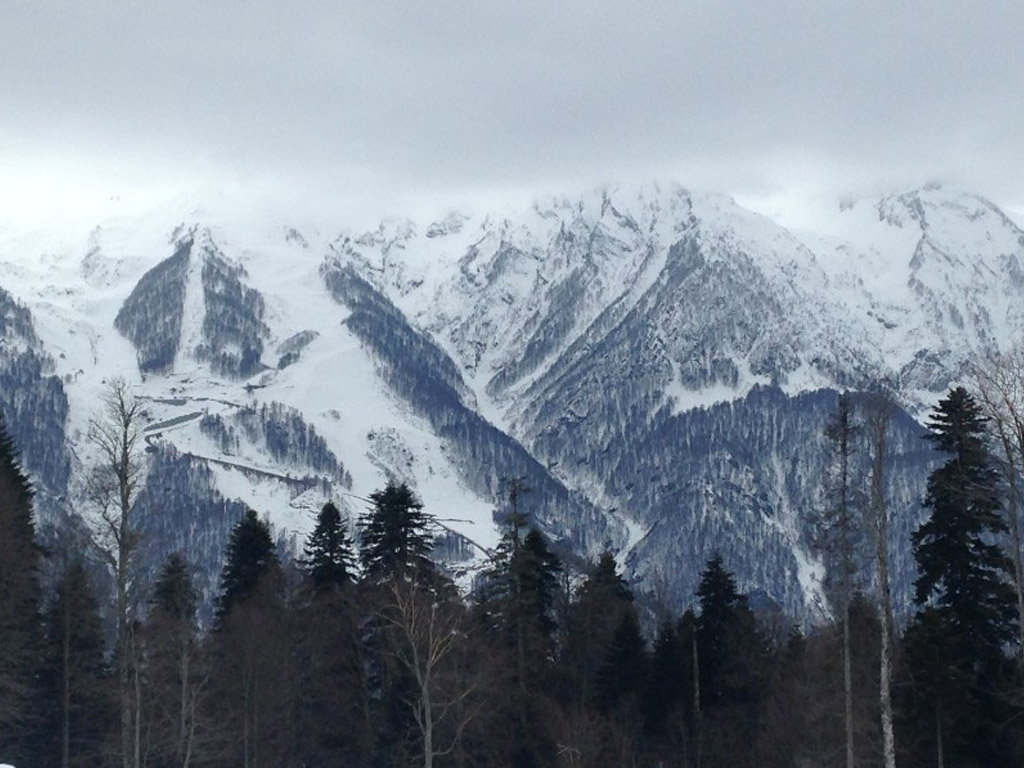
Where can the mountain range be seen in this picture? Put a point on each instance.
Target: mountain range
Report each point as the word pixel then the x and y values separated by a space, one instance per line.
pixel 658 365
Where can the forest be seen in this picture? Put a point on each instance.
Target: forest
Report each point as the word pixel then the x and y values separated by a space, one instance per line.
pixel 366 651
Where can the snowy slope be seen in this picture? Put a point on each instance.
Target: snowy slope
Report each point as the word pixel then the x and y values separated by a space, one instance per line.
pixel 641 353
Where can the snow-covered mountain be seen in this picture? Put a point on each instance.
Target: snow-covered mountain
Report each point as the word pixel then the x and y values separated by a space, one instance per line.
pixel 657 364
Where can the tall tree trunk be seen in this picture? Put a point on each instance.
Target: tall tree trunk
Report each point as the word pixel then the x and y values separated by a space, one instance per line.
pixel 136 704
pixel 697 719
pixel 112 488
pixel 65 731
pixel 428 728
pixel 183 730
pixel 878 426
pixel 1013 456
pixel 246 735
pixel 841 431
pixel 124 671
pixel 1000 385
pixel 848 687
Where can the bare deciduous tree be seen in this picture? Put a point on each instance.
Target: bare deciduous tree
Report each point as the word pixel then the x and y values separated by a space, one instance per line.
pixel 999 383
pixel 877 422
pixel 427 636
pixel 837 528
pixel 114 483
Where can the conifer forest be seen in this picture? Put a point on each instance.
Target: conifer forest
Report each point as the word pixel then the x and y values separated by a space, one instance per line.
pixel 364 651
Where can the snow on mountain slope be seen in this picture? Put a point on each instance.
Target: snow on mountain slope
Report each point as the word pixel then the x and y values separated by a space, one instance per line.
pixel 934 278
pixel 77 292
pixel 645 356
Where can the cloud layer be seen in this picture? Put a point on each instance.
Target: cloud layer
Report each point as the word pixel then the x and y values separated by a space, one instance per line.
pixel 408 100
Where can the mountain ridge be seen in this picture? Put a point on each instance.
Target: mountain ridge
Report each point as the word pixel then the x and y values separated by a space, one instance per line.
pixel 579 342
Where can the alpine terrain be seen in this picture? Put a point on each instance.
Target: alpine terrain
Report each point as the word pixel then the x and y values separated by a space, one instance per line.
pixel 657 365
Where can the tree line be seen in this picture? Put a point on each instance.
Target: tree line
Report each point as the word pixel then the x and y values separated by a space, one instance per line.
pixel 370 655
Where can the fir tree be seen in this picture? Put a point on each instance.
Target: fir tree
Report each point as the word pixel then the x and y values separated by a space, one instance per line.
pixel 329 558
pixel 729 660
pixel 82 693
pixel 724 615
pixel 954 648
pixel 333 688
pixel 249 558
pixel 534 569
pixel 252 682
pixel 602 601
pixel 394 536
pixel 515 601
pixel 962 571
pixel 623 676
pixel 19 608
pixel 174 594
pixel 173 677
pixel 667 682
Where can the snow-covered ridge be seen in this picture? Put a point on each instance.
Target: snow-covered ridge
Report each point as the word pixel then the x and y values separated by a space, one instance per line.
pixel 570 341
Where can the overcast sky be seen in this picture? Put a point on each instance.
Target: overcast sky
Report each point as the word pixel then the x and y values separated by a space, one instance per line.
pixel 782 103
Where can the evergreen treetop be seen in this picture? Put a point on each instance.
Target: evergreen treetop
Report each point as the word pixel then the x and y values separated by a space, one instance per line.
pixel 961 568
pixel 395 535
pixel 727 636
pixel 20 633
pixel 250 556
pixel 329 560
pixel 174 593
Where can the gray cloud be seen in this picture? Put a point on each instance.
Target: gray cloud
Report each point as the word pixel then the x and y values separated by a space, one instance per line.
pixel 761 99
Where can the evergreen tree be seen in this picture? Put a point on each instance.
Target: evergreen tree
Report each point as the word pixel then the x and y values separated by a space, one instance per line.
pixel 515 603
pixel 329 557
pixel 174 594
pixel 839 528
pixel 20 636
pixel 333 691
pixel 253 681
pixel 394 536
pixel 623 676
pixel 173 673
pixel 668 680
pixel 249 558
pixel 729 660
pixel 961 570
pixel 600 605
pixel 82 694
pixel 954 648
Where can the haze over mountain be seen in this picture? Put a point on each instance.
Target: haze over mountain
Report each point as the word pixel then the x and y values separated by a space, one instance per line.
pixel 657 363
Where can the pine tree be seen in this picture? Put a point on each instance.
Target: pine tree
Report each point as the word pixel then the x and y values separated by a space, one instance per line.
pixel 729 661
pixel 20 637
pixel 82 693
pixel 395 537
pixel 515 604
pixel 623 675
pixel 880 411
pixel 667 682
pixel 173 675
pixel 253 681
pixel 840 527
pixel 329 558
pixel 174 594
pixel 955 646
pixel 333 668
pixel 250 558
pixel 962 571
pixel 601 602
